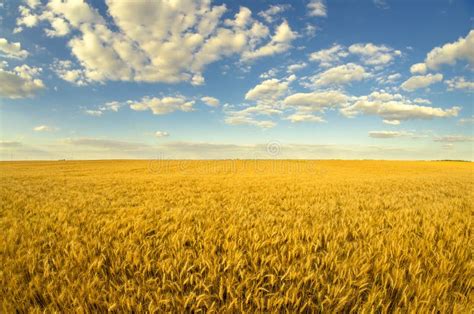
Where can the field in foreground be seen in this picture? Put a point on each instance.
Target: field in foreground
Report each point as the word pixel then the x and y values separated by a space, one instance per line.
pixel 227 236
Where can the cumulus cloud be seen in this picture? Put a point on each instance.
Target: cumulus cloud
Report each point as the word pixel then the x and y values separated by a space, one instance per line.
pixel 311 106
pixel 12 49
pixel 389 134
pixel 369 54
pixel 20 82
pixel 153 41
pixel 161 134
pixel 269 74
pixel 304 117
pixel 44 128
pixel 94 113
pixel 329 57
pixel 270 14
pixel 450 53
pixel 292 68
pixel 210 101
pixel 66 70
pixel 418 68
pixel 340 75
pixel 268 101
pixel 421 81
pixel 422 101
pixel 461 83
pixel 59 27
pixel 27 18
pixel 280 42
pixel 161 106
pixel 374 55
pixel 389 79
pixel 247 116
pixel 269 91
pixel 394 108
pixel 108 106
pixel 317 8
pixel 111 106
pixel 316 101
pixel 391 122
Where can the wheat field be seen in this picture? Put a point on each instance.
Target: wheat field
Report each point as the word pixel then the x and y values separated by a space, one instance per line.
pixel 236 236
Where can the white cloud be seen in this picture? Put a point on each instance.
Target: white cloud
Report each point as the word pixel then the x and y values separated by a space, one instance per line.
pixel 161 134
pixel 329 57
pixel 270 14
pixel 44 128
pixel 391 122
pixel 418 68
pixel 296 67
pixel 161 106
pixel 210 101
pixel 393 108
pixel 246 116
pixel 460 82
pixel 422 101
pixel 420 81
pixel 381 4
pixel 316 101
pixel 317 8
pixel 267 97
pixel 153 41
pixel 389 134
pixel 304 117
pixel 108 106
pixel 450 53
pixel 95 113
pixel 340 75
pixel 197 80
pixel 280 42
pixel 66 71
pixel 111 106
pixel 392 78
pixel 299 107
pixel 309 30
pixel 374 55
pixel 269 91
pixel 20 82
pixel 269 74
pixel 389 79
pixel 377 56
pixel 59 27
pixel 12 49
pixel 27 18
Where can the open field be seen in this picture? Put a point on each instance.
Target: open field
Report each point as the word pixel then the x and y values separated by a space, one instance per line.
pixel 226 236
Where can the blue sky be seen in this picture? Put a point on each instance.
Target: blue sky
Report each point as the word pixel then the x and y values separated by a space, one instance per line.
pixel 215 79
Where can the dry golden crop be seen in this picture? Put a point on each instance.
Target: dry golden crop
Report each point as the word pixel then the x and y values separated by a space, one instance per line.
pixel 231 236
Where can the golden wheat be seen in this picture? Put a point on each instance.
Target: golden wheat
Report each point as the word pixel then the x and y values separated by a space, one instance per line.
pixel 231 236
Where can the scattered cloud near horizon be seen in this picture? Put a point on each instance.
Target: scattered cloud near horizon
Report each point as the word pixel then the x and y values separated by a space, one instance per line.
pixel 83 73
